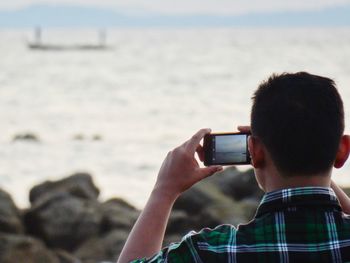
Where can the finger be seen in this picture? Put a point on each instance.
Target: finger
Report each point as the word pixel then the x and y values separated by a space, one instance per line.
pixel 192 144
pixel 200 152
pixel 245 129
pixel 208 171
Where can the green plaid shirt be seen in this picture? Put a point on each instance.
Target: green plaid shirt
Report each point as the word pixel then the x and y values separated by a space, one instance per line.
pixel 291 225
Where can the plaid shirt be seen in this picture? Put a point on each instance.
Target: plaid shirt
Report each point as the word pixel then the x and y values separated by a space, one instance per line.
pixel 291 225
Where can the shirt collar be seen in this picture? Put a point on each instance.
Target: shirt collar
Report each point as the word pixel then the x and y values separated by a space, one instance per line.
pixel 291 198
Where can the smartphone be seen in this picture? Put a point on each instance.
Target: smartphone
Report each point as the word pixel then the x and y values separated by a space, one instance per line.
pixel 226 149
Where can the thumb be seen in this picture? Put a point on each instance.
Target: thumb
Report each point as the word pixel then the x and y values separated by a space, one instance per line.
pixel 208 171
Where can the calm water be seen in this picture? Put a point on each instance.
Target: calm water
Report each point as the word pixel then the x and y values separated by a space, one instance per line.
pixel 144 97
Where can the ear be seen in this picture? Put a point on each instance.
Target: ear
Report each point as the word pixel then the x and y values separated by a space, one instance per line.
pixel 343 151
pixel 256 151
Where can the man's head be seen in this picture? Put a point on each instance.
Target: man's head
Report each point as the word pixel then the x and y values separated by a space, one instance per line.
pixel 299 118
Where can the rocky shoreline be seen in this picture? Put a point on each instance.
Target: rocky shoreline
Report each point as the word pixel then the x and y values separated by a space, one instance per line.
pixel 66 223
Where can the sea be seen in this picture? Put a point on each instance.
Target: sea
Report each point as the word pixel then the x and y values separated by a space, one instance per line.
pixel 115 113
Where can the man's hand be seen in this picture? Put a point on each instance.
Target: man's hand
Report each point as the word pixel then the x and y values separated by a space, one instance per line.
pixel 180 170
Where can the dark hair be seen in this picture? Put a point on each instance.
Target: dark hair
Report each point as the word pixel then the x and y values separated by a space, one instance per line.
pixel 300 120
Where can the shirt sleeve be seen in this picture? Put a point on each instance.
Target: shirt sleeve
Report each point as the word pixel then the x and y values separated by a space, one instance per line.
pixel 181 252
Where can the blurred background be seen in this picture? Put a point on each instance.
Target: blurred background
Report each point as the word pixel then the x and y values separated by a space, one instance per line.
pixel 104 89
pixel 109 87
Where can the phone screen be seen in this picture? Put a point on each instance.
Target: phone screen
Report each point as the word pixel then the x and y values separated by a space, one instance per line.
pixel 226 149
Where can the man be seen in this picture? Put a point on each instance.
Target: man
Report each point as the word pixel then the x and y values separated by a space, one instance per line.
pixel 297 125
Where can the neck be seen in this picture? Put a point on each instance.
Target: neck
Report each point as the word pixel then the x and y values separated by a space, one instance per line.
pixel 274 181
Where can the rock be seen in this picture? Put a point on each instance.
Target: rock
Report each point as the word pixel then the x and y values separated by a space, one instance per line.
pixel 238 185
pixel 64 221
pixel 67 216
pixel 118 214
pixel 346 190
pixel 65 257
pixel 249 207
pixel 120 203
pixel 207 206
pixel 78 137
pixel 80 185
pixel 193 200
pixel 105 248
pixel 19 248
pixel 26 137
pixel 96 137
pixel 179 223
pixel 10 219
pixel 81 137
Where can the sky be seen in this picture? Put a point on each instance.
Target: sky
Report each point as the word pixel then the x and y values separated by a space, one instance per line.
pixel 176 7
pixel 178 13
